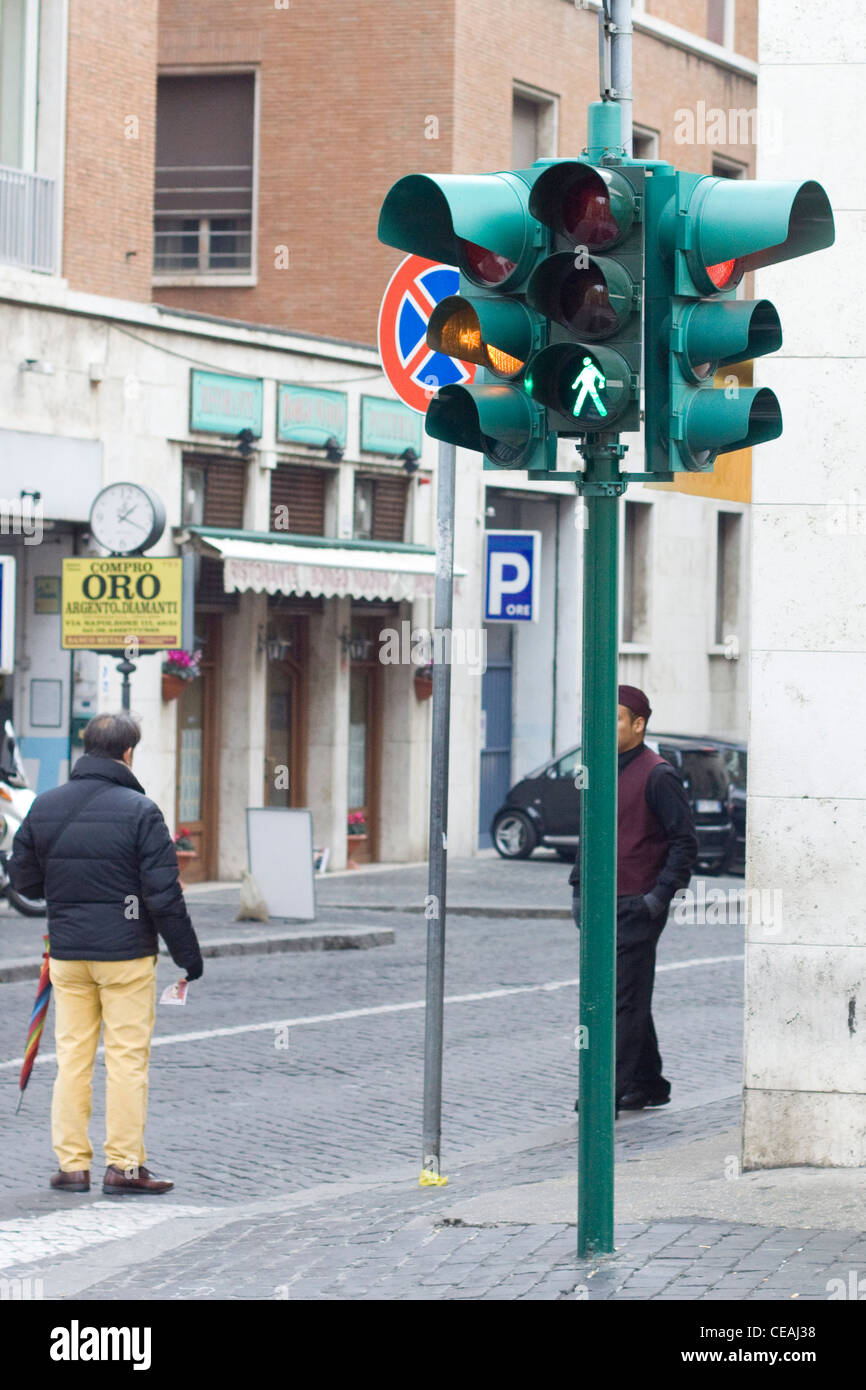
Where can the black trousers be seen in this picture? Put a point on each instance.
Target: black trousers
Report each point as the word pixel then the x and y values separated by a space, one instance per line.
pixel 638 1062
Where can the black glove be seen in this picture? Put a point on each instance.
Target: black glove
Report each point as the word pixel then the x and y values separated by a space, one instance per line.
pixel 196 971
pixel 655 907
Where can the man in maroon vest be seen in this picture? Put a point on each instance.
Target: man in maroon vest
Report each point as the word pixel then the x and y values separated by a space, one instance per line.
pixel 657 850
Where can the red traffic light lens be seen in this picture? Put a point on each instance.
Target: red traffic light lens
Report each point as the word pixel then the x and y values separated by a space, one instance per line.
pixel 587 217
pixel 724 275
pixel 487 267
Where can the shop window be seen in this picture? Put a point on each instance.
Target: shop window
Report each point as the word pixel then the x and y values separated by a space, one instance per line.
pixel 298 500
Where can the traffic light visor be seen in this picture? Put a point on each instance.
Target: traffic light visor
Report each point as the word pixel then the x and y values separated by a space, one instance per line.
pixel 495 333
pixel 477 222
pixel 498 421
pixel 592 207
pixel 742 225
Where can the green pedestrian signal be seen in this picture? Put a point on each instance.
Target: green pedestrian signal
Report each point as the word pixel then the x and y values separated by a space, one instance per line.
pixel 703 235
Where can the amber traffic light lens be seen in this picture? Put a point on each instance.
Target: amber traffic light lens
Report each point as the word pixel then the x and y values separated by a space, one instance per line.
pixel 461 336
pixel 487 267
pixel 502 363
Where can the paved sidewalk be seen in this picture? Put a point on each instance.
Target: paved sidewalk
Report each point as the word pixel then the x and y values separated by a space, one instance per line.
pixel 781 1235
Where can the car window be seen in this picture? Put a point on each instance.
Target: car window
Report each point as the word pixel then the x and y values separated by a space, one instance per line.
pixel 735 762
pixel 705 775
pixel 567 764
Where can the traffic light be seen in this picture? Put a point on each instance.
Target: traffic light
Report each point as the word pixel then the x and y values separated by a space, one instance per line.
pixel 702 236
pixel 589 291
pixel 481 224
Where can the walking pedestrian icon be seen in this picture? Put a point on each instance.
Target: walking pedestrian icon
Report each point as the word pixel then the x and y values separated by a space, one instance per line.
pixel 589 379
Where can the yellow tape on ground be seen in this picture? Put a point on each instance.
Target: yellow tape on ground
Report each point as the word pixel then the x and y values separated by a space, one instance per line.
pixel 430 1179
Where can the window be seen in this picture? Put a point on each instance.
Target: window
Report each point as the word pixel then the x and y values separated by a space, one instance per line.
pixel 212 495
pixel 13 38
pixel 720 22
pixel 728 545
pixel 380 508
pixel 645 143
pixel 727 169
pixel 533 127
pixel 635 589
pixel 203 201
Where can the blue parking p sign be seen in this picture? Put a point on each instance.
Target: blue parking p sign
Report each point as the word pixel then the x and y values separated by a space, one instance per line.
pixel 512 565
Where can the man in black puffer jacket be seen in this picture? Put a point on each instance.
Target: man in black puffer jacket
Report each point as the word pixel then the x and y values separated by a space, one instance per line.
pixel 98 850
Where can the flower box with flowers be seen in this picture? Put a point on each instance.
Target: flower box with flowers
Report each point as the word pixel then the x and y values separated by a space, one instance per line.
pixel 178 669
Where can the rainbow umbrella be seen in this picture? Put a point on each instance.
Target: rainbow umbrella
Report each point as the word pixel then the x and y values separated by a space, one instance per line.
pixel 37 1021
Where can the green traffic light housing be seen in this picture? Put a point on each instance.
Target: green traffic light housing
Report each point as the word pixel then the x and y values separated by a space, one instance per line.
pixel 592 297
pixel 723 332
pixel 478 222
pixel 586 205
pixel 727 227
pixel 499 421
pixel 702 236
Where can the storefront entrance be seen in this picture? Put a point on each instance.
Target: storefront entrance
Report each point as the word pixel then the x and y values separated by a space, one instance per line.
pixel 197 771
pixel 365 740
pixel 285 744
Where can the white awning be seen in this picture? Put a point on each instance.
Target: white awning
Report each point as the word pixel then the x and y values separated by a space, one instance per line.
pixel 276 567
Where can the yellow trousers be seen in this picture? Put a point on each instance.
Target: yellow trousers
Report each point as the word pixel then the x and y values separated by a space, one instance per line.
pixel 121 994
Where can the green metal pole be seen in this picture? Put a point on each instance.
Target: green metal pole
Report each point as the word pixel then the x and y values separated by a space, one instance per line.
pixel 601 489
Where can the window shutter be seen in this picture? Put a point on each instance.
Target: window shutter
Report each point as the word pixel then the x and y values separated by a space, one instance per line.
pixel 302 492
pixel 224 493
pixel 389 509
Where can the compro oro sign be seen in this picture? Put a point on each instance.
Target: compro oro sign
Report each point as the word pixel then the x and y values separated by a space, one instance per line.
pixel 111 602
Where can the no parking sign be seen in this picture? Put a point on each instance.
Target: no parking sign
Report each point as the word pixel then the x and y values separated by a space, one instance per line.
pixel 415 370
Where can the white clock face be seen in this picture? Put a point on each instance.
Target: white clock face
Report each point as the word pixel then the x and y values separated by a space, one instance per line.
pixel 125 517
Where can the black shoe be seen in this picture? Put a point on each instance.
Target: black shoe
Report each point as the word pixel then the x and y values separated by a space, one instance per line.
pixel 642 1100
pixel 615 1113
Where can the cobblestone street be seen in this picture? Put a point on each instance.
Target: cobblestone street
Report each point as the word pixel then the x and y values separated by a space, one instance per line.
pixel 286 1099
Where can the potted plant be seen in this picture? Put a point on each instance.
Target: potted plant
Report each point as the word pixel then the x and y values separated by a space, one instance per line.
pixel 178 668
pixel 356 834
pixel 184 849
pixel 423 682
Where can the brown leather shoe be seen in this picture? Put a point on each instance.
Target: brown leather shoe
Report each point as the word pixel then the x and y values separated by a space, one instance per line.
pixel 117 1184
pixel 72 1182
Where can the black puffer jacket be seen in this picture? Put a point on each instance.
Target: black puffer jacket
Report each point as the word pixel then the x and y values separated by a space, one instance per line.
pixel 112 882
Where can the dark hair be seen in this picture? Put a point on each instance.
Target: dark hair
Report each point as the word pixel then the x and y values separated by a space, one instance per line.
pixel 109 735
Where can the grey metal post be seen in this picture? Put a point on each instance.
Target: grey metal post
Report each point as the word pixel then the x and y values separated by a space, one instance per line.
pixel 438 854
pixel 620 65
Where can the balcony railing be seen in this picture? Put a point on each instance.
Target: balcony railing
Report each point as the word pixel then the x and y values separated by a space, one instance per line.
pixel 203 219
pixel 27 228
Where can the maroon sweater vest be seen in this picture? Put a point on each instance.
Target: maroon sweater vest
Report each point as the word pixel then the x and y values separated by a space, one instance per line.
pixel 641 845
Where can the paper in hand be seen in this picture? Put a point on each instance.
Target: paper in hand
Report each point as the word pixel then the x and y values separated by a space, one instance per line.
pixel 176 993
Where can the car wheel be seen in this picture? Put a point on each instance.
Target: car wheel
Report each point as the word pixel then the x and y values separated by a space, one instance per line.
pixel 514 835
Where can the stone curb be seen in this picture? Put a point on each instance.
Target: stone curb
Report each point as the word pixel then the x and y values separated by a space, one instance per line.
pixel 345 939
pixel 548 913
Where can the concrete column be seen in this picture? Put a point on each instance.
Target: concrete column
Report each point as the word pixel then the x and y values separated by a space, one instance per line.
pixel 805 1045
pixel 328 729
pixel 242 731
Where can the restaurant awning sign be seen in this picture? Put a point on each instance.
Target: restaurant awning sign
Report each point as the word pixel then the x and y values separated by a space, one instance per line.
pixel 311 416
pixel 112 602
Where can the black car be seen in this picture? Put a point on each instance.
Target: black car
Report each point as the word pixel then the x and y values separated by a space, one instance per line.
pixel 736 758
pixel 544 808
